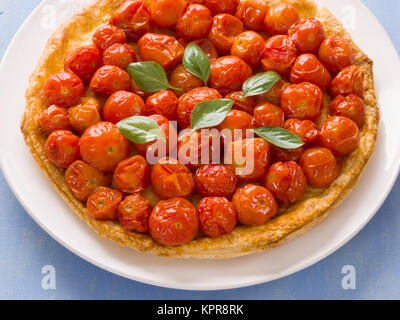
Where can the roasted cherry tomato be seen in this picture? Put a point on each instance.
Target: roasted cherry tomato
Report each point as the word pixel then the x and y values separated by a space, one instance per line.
pixel 120 55
pixel 248 158
pixel 132 175
pixel 195 23
pixel 320 167
pixel 335 54
pixel 215 180
pixel 174 222
pixel 243 104
pixel 350 106
pixel 307 34
pixel 279 55
pixel 340 135
pixel 286 181
pixel 222 6
pixel 349 80
pixel 165 13
pixel 229 73
pixel 82 179
pixel 107 35
pixel 63 89
pixel 304 101
pixel 84 114
pixel 284 155
pixel 134 213
pixel 110 79
pixel 274 94
pixel 252 13
pixel 268 115
pixel 224 30
pixel 170 179
pixel 248 46
pixel 217 216
pixel 121 105
pixel 83 62
pixel 190 100
pixel 54 118
pixel 280 18
pixel 183 79
pixel 62 148
pixel 254 205
pixel 307 68
pixel 164 103
pixel 235 125
pixel 306 130
pixel 208 48
pixel 103 146
pixel 163 49
pixel 103 203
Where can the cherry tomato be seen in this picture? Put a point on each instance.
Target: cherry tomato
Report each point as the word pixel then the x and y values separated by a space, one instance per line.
pixel 303 101
pixel 83 62
pixel 235 125
pixel 228 74
pixel 274 95
pixel 217 216
pixel 189 100
pixel 248 46
pixel 320 167
pixel 306 130
pixel 284 155
pixel 349 80
pixel 307 68
pixel 222 6
pixel 103 146
pixel 84 115
pixel 107 35
pixel 195 1
pixel 195 23
pixel 62 148
pixel 280 18
pixel 208 48
pixel 268 115
pixel 110 79
pixel 121 105
pixel 164 103
pixel 340 135
pixel 120 55
pixel 63 89
pixel 54 118
pixel 254 205
pixel 103 203
pixel 286 181
pixel 132 175
pixel 143 94
pixel 165 13
pixel 224 30
pixel 183 79
pixel 173 222
pixel 163 49
pixel 134 213
pixel 279 55
pixel 307 34
pixel 215 180
pixel 350 106
pixel 252 13
pixel 247 104
pixel 335 54
pixel 82 179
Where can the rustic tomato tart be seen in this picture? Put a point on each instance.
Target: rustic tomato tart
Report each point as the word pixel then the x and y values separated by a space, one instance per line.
pixel 202 128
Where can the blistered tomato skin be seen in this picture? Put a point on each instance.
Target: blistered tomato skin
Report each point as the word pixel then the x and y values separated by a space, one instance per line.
pixel 247 104
pixel 350 106
pixel 304 101
pixel 254 205
pixel 82 179
pixel 195 23
pixel 132 175
pixel 307 35
pixel 349 80
pixel 252 13
pixel 54 118
pixel 320 167
pixel 284 155
pixel 165 13
pixel 208 48
pixel 235 125
pixel 183 79
pixel 120 55
pixel 82 116
pixel 307 68
pixel 217 216
pixel 121 105
pixel 103 203
pixel 164 103
pixel 306 130
pixel 268 115
pixel 222 6
pixel 134 213
pixel 335 54
pixel 62 148
pixel 248 46
pixel 340 135
pixel 274 95
pixel 173 222
pixel 103 146
pixel 286 181
pixel 109 79
pixel 83 62
pixel 280 18
pixel 63 89
pixel 107 35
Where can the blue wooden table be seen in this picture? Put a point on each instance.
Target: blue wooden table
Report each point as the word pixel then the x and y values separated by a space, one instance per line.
pixel 25 249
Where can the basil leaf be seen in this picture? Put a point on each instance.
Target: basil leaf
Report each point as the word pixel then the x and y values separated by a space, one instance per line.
pixel 140 129
pixel 279 137
pixel 149 76
pixel 196 62
pixel 260 83
pixel 210 113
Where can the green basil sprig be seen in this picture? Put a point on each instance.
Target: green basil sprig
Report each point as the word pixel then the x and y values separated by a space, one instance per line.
pixel 196 62
pixel 149 76
pixel 279 137
pixel 140 129
pixel 210 113
pixel 260 83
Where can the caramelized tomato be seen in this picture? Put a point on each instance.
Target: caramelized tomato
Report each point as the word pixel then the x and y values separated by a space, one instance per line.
pixel 307 34
pixel 120 55
pixel 280 18
pixel 274 94
pixel 195 23
pixel 183 79
pixel 208 48
pixel 164 103
pixel 121 105
pixel 222 6
pixel 107 35
pixel 252 13
pixel 284 155
pixel 235 125
pixel 349 80
pixel 242 104
pixel 350 106
pixel 103 203
pixel 62 148
pixel 54 118
pixel 84 115
pixel 268 115
pixel 248 46
pixel 165 13
pixel 134 213
pixel 110 79
pixel 306 130
pixel 335 54
pixel 132 175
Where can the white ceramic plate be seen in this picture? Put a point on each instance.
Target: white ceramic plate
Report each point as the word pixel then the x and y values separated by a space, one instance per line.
pixel 45 206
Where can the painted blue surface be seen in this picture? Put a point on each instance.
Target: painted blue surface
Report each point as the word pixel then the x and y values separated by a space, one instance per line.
pixel 25 248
